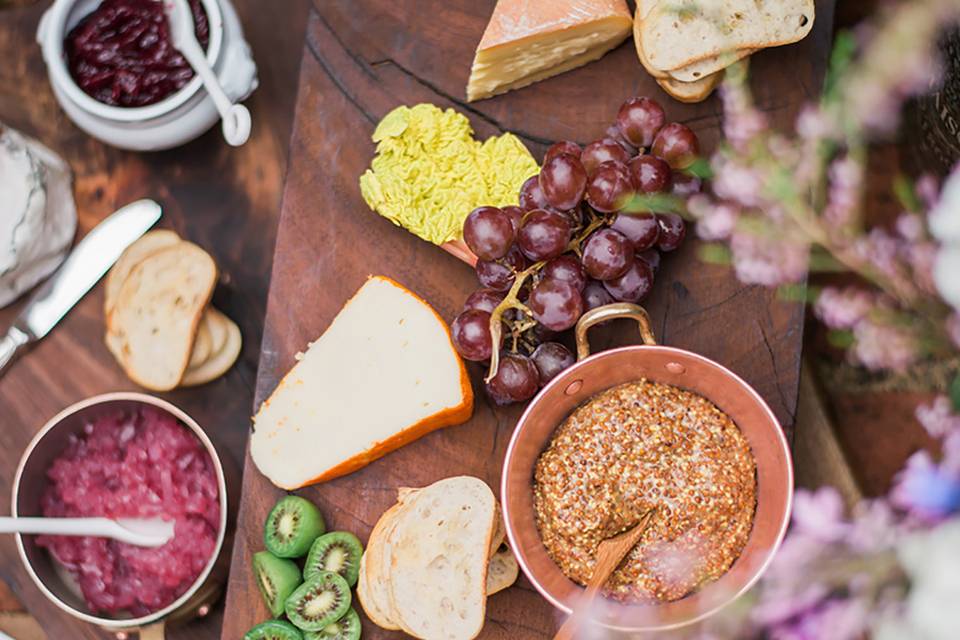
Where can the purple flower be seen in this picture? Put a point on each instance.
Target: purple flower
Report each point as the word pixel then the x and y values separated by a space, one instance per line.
pixel 910 227
pixel 820 514
pixel 783 603
pixel 738 183
pixel 742 122
pixel 953 327
pixel 926 490
pixel 843 308
pixel 938 417
pixel 874 526
pixel 835 619
pixel 883 346
pixel 766 260
pixel 715 221
pixel 843 199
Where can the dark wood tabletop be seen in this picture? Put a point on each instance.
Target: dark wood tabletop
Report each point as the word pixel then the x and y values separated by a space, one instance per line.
pixel 362 58
pixel 222 198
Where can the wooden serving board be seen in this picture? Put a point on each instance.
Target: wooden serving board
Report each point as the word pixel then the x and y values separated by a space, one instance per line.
pixel 363 58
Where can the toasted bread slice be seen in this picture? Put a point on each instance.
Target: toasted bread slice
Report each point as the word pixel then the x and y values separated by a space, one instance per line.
pixel 439 558
pixel 157 312
pixel 202 344
pixel 709 29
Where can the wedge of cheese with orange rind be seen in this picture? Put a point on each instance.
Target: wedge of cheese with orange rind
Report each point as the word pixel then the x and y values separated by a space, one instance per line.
pixel 530 40
pixel 383 374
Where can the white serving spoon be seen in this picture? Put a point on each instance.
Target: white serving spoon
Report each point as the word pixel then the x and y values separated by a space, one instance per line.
pixel 235 117
pixel 143 532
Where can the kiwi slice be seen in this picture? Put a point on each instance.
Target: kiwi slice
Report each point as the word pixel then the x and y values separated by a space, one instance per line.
pixel 292 526
pixel 316 603
pixel 277 579
pixel 274 630
pixel 346 628
pixel 337 551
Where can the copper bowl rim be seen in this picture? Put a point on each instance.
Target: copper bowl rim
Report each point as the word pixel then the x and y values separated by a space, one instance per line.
pixel 189 422
pixel 640 350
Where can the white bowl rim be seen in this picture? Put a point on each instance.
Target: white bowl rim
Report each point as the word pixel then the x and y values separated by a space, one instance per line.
pixel 130 396
pixel 54 34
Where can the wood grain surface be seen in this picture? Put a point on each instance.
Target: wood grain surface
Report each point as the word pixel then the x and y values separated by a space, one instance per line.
pixel 224 199
pixel 364 57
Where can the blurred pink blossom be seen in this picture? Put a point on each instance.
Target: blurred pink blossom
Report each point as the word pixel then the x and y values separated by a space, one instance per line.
pixel 742 122
pixel 880 346
pixel 873 527
pixel 768 261
pixel 715 221
pixel 820 514
pixel 738 183
pixel 953 327
pixel 835 619
pixel 843 308
pixel 938 417
pixel 843 199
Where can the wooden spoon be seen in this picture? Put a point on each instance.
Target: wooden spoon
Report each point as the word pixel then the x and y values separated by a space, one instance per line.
pixel 609 555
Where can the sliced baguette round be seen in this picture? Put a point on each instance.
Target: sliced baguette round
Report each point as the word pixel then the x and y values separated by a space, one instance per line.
pixel 219 362
pixel 375 595
pixel 149 243
pixel 157 312
pixel 439 553
pixel 502 571
pixel 202 344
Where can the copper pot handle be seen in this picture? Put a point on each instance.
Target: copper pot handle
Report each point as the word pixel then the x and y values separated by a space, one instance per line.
pixel 610 312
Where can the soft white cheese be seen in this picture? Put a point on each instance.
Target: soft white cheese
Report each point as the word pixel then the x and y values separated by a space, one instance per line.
pixel 383 373
pixel 37 216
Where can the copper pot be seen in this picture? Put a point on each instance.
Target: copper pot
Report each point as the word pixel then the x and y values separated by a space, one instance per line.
pixel 595 373
pixel 28 487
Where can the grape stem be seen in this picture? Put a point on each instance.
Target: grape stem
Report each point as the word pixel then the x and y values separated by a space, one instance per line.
pixel 512 300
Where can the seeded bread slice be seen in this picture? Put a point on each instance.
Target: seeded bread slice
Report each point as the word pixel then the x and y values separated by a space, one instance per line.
pixel 157 312
pixel 439 552
pixel 678 37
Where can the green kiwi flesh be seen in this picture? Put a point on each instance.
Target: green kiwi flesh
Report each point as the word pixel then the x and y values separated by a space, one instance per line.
pixel 277 579
pixel 274 630
pixel 337 551
pixel 346 628
pixel 322 599
pixel 292 526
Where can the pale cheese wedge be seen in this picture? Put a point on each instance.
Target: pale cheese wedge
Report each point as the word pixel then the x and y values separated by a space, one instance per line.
pixel 383 374
pixel 526 41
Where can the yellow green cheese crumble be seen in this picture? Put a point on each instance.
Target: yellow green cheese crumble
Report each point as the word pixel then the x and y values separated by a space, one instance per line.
pixel 430 172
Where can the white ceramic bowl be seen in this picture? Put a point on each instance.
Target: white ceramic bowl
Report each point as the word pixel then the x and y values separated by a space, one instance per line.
pixel 174 120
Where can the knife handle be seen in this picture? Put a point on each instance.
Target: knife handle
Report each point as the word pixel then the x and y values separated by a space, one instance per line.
pixel 10 344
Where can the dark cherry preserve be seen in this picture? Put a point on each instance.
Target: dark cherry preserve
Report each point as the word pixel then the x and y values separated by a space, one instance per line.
pixel 121 54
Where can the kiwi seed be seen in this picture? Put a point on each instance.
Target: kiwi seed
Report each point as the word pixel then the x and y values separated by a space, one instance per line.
pixel 321 600
pixel 292 526
pixel 277 579
pixel 337 551
pixel 274 630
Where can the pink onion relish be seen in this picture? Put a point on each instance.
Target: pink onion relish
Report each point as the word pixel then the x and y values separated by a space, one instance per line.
pixel 143 463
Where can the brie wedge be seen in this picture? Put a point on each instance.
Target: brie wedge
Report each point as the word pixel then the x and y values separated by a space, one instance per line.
pixel 383 374
pixel 530 40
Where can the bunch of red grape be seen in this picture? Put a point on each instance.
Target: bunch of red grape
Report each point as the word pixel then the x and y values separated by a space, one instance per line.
pixel 574 243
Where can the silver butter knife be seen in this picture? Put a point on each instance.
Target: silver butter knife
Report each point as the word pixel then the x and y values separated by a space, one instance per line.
pixel 90 259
